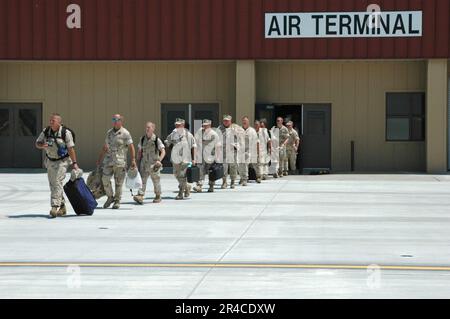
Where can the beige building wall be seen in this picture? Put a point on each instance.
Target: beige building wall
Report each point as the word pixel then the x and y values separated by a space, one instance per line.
pixel 437 116
pixel 245 90
pixel 88 93
pixel 357 92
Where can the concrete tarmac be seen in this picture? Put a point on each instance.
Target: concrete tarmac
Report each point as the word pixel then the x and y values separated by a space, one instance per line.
pixel 268 234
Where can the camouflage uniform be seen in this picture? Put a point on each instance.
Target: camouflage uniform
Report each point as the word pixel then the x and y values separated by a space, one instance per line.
pixel 290 149
pixel 95 184
pixel 56 169
pixel 151 148
pixel 250 158
pixel 264 155
pixel 183 142
pixel 115 161
pixel 207 141
pixel 282 135
pixel 230 144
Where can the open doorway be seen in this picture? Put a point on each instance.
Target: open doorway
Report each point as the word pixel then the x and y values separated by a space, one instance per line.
pixel 289 112
pixel 313 124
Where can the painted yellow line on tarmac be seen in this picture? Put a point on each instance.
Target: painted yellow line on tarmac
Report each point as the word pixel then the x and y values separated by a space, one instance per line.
pixel 224 265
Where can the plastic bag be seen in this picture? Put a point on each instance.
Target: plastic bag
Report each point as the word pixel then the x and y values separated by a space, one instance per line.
pixel 134 180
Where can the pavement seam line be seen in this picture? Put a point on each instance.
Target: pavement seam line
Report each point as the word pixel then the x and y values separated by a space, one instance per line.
pixel 224 266
pixel 238 239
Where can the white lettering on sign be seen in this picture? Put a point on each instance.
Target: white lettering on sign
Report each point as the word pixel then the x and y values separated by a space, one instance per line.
pixel 74 19
pixel 344 24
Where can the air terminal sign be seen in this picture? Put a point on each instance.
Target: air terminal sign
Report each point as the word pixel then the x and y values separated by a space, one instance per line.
pixel 343 24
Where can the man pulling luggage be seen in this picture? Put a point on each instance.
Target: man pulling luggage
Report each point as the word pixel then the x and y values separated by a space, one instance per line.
pixel 58 143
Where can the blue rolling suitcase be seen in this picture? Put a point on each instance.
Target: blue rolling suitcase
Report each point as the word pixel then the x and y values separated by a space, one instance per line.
pixel 80 197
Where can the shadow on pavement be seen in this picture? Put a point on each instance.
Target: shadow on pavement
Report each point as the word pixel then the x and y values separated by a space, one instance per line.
pixel 42 216
pixel 29 216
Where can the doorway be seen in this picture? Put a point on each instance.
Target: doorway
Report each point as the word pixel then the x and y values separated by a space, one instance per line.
pixel 192 113
pixel 313 123
pixel 316 137
pixel 20 125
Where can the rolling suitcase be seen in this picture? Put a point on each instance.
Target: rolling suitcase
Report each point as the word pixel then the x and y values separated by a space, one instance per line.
pixel 80 197
pixel 193 174
pixel 251 174
pixel 216 172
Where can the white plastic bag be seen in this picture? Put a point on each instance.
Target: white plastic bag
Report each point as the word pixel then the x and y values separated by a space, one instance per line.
pixel 134 180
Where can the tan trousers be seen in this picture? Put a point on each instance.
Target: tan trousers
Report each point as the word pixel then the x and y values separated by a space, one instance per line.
pixel 230 169
pixel 284 161
pixel 179 171
pixel 204 171
pixel 292 158
pixel 56 173
pixel 119 174
pixel 147 172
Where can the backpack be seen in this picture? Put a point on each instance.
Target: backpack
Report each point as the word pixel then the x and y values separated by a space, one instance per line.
pixel 156 143
pixel 63 133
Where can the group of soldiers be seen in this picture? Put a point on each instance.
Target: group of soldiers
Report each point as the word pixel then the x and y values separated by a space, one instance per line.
pixel 239 148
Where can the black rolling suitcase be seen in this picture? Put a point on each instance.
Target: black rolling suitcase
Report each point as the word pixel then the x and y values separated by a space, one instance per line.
pixel 216 172
pixel 193 174
pixel 251 174
pixel 80 197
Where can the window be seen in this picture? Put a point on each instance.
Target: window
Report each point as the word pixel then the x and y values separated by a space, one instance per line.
pixel 27 124
pixel 4 122
pixel 405 116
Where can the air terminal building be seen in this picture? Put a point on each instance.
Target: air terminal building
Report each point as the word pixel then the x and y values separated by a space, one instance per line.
pixel 366 82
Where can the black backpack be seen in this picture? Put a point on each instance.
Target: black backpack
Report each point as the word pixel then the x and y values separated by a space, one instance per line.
pixel 156 143
pixel 64 130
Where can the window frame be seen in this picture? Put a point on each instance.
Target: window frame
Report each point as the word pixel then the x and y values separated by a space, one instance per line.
pixel 411 116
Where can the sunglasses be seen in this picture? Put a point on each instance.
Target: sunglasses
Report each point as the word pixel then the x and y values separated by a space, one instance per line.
pixel 115 120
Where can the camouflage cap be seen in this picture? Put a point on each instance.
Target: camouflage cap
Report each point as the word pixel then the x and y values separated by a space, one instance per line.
pixel 206 122
pixel 227 117
pixel 179 121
